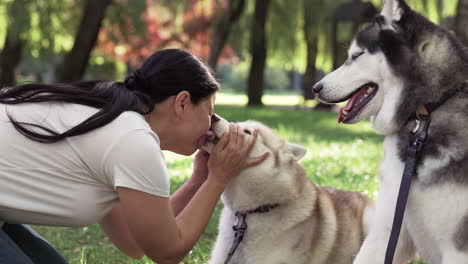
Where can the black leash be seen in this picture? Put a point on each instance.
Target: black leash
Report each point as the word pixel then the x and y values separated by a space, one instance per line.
pixel 419 135
pixel 240 226
pixel 415 146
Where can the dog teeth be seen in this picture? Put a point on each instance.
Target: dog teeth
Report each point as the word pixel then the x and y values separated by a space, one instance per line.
pixel 345 112
pixel 370 90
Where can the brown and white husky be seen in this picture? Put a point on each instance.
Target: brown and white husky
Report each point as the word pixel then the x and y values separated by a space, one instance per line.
pixel 289 219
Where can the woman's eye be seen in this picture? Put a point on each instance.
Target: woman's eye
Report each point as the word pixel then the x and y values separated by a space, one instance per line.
pixel 247 132
pixel 357 55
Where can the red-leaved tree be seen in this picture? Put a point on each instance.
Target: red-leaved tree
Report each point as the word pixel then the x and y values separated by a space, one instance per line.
pixel 159 25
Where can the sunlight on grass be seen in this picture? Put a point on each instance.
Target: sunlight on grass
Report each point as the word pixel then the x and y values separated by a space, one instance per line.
pixel 286 99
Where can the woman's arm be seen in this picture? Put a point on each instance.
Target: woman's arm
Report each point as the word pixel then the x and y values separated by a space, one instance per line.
pixel 167 239
pixel 115 226
pixel 116 229
pixel 162 237
pixel 185 193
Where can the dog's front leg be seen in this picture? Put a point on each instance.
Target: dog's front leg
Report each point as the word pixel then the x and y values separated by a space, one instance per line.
pixel 225 237
pixel 375 245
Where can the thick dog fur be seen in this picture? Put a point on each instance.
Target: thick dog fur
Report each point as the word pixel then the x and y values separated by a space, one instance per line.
pixel 413 62
pixel 311 224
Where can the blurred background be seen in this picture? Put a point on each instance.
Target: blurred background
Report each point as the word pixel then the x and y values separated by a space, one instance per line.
pixel 254 46
pixel 266 53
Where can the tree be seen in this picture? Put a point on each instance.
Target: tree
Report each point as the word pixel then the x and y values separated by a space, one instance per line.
pixel 312 22
pixel 141 28
pixel 223 29
pixel 461 21
pixel 10 58
pixel 255 82
pixel 74 64
pixel 356 12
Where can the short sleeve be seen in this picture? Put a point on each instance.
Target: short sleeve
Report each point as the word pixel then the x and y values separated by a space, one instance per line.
pixel 137 162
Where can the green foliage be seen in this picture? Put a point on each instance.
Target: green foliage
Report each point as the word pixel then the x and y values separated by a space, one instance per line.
pixel 52 27
pixel 232 77
pixel 126 17
pixel 48 27
pixel 284 43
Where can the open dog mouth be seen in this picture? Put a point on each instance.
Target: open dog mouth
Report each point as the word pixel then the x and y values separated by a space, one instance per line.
pixel 357 101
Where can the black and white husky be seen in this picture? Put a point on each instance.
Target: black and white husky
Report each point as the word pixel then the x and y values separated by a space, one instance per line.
pixel 396 65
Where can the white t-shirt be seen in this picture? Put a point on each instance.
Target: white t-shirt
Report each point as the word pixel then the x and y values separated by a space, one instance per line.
pixel 73 182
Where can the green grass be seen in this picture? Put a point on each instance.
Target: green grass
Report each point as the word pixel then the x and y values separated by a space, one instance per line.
pixel 341 156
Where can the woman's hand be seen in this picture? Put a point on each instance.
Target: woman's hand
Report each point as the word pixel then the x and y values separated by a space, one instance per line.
pixel 230 155
pixel 200 167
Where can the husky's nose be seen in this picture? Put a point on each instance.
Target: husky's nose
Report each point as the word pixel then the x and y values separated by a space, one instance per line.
pixel 317 87
pixel 215 118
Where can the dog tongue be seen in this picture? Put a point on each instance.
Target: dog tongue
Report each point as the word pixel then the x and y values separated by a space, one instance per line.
pixel 202 140
pixel 348 107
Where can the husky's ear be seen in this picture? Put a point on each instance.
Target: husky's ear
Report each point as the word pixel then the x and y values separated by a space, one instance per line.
pixel 296 151
pixel 394 10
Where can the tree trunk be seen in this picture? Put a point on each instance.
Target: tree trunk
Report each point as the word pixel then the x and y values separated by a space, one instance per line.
pixel 461 21
pixel 311 38
pixel 335 43
pixel 10 57
pixel 223 30
pixel 75 63
pixel 259 53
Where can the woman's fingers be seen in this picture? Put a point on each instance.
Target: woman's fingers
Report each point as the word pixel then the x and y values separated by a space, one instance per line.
pixel 250 143
pixel 257 160
pixel 240 137
pixel 233 132
pixel 222 143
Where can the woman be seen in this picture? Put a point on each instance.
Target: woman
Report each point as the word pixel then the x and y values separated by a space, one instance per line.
pixel 90 152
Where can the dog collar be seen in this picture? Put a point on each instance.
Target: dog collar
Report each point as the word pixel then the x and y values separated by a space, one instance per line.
pixel 431 107
pixel 240 226
pixel 426 109
pixel 261 209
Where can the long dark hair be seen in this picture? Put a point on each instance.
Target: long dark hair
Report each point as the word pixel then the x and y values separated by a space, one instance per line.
pixel 165 73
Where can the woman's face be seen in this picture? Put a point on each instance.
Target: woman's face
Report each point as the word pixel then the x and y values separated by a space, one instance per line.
pixel 195 125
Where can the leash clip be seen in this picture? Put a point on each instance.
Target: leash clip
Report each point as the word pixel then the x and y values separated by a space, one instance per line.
pixel 240 225
pixel 418 123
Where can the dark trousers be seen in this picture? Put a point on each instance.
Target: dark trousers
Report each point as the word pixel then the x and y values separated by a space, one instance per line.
pixel 20 244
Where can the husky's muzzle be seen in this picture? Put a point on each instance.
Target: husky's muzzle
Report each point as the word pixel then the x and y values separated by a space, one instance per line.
pixel 218 127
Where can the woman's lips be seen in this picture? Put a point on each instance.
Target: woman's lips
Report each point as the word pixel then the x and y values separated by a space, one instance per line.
pixel 204 138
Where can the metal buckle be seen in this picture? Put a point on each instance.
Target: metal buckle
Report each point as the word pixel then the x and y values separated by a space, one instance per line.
pixel 418 123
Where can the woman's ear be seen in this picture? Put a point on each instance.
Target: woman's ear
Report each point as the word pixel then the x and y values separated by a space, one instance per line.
pixel 181 101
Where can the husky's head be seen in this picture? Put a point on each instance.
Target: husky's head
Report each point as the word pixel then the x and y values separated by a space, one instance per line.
pixel 275 180
pixel 397 63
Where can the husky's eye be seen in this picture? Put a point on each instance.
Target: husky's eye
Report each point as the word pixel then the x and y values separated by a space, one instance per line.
pixel 247 132
pixel 357 55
